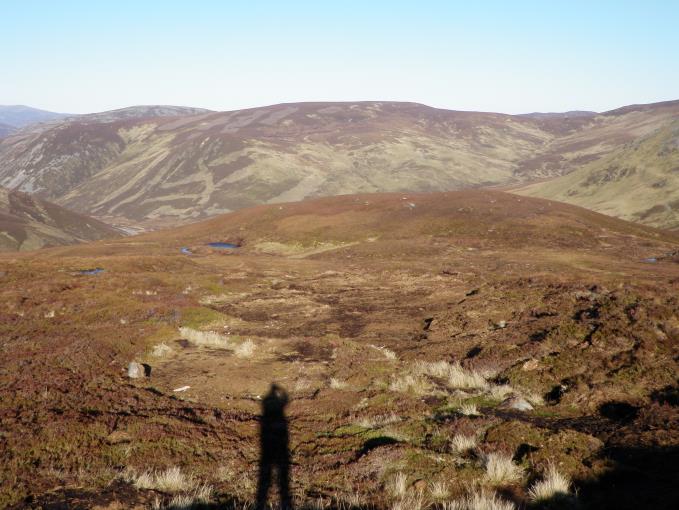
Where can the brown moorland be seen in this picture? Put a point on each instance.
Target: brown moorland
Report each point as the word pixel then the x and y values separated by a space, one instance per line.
pixel 406 329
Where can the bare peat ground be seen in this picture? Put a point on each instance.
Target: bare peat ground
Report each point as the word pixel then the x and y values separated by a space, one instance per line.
pixel 401 327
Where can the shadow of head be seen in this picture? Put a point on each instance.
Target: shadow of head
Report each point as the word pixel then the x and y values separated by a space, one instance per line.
pixel 274 401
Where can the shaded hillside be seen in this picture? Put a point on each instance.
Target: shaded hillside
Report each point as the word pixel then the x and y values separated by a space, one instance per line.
pixel 406 329
pixel 27 223
pixel 639 182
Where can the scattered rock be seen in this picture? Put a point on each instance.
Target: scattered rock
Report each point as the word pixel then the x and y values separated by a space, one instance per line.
pixel 136 370
pixel 118 437
pixel 427 323
pixel 420 485
pixel 531 364
pixel 181 388
pixel 517 403
pixel 498 325
pixel 472 292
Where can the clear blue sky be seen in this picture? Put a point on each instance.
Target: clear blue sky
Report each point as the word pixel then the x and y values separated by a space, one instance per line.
pixel 508 56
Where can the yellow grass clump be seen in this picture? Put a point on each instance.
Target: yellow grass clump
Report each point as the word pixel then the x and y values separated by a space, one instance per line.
pixel 205 338
pixel 553 484
pixel 501 469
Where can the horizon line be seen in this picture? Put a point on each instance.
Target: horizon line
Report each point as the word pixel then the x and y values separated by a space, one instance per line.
pixel 341 102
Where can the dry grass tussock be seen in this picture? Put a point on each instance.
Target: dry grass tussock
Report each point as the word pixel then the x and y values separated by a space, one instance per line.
pixel 501 392
pixel 338 384
pixel 381 420
pixel 303 384
pixel 199 496
pixel 213 299
pixel 425 377
pixel 455 375
pixel 501 469
pixel 388 353
pixel 553 484
pixel 410 502
pixel 171 480
pixel 461 443
pixel 534 398
pixel 479 501
pixel 205 338
pixel 439 490
pixel 398 485
pixel 411 384
pixel 245 349
pixel 469 409
pixel 161 350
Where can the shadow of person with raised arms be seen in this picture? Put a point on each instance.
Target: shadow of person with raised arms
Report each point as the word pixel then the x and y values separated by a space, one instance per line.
pixel 274 448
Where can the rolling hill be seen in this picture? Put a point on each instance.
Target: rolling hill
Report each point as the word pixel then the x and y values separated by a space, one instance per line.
pixel 202 165
pixel 169 169
pixel 639 182
pixel 27 223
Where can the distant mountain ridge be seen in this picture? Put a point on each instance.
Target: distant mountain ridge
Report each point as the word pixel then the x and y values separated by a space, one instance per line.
pixel 559 115
pixel 159 165
pixel 139 112
pixel 19 116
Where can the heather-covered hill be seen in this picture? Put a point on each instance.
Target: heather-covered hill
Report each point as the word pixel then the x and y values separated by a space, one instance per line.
pixel 164 165
pixel 27 223
pixel 639 182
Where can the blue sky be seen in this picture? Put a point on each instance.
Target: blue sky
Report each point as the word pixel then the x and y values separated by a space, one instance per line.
pixel 507 56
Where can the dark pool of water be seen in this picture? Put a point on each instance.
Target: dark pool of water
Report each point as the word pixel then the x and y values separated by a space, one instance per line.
pixel 88 272
pixel 224 246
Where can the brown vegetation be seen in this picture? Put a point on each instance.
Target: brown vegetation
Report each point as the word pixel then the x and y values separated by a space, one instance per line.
pixel 519 296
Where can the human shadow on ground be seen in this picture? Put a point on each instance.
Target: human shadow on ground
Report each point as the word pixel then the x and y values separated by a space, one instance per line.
pixel 274 448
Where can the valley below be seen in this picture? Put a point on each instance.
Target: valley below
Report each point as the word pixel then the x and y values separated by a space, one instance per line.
pixel 161 166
